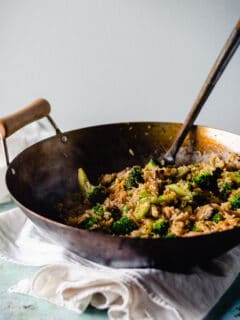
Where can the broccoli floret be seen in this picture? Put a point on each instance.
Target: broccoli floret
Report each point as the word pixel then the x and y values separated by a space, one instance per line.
pixel 235 201
pixel 125 209
pixel 96 194
pixel 181 192
pixel 123 226
pixel 89 222
pixel 202 197
pixel 92 193
pixel 165 199
pixel 182 172
pixel 199 199
pixel 195 198
pixel 152 164
pixel 142 210
pixel 170 235
pixel 98 209
pixel 144 194
pixel 217 217
pixel 236 177
pixel 225 188
pixel 204 179
pixel 134 178
pixel 207 179
pixel 160 226
pixel 194 227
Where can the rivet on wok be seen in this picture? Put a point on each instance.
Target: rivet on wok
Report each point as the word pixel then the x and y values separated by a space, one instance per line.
pixel 131 152
pixel 13 171
pixel 64 139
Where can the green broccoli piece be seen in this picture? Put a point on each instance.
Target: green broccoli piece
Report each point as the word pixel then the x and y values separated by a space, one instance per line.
pixel 152 164
pixel 204 179
pixel 170 235
pixel 178 190
pixel 199 198
pixel 207 179
pixel 134 178
pixel 96 194
pixel 217 217
pixel 160 226
pixel 142 210
pixel 98 209
pixel 225 188
pixel 89 222
pixel 182 172
pixel 125 209
pixel 144 196
pixel 123 226
pixel 236 177
pixel 235 201
pixel 194 227
pixel 92 193
pixel 165 199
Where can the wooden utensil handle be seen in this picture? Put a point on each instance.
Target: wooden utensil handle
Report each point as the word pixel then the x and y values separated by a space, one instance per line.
pixel 36 110
pixel 219 66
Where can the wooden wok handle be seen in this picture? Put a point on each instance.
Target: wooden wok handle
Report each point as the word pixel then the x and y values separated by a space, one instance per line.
pixel 36 110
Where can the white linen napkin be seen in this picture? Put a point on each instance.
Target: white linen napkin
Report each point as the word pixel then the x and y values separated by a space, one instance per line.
pixel 73 282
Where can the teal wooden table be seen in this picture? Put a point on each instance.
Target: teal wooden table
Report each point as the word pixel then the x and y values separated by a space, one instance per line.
pixel 21 307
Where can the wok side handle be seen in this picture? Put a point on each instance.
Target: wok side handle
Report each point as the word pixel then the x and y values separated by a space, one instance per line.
pixel 36 110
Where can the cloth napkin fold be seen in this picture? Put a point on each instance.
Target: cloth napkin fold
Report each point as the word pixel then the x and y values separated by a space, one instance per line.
pixel 74 282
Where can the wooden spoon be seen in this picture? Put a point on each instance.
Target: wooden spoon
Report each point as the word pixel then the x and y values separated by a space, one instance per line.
pixel 219 66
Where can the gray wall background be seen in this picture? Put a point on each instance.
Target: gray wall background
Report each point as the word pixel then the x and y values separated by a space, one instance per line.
pixel 100 61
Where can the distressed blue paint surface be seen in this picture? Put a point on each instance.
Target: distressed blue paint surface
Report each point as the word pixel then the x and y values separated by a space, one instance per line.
pixel 21 307
pixel 228 307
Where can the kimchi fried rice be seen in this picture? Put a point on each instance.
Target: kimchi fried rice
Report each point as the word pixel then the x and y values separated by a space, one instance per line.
pixel 158 201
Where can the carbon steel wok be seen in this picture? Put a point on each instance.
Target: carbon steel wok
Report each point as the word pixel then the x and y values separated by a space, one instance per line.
pixel 42 174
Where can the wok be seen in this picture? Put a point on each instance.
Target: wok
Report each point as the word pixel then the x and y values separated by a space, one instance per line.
pixel 42 174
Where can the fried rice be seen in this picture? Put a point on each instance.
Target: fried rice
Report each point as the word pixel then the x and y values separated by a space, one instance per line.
pixel 155 201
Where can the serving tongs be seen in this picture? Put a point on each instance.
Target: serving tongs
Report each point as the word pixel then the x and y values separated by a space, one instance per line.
pixel 214 75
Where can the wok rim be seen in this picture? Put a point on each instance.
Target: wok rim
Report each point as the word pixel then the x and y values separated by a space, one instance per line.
pixel 195 126
pixel 110 236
